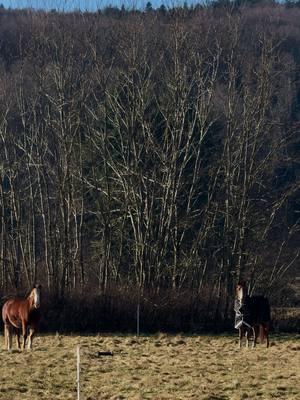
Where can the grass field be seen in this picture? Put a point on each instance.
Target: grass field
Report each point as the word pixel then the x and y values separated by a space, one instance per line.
pixel 152 367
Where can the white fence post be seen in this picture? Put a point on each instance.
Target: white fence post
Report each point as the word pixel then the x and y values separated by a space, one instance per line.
pixel 138 320
pixel 78 372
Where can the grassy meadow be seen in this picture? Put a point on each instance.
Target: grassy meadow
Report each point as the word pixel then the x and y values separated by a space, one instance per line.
pixel 152 367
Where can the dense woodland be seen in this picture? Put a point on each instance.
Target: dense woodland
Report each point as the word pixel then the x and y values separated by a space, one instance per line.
pixel 150 157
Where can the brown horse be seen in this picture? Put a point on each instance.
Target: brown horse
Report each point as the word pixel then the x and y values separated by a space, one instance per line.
pixel 252 315
pixel 21 314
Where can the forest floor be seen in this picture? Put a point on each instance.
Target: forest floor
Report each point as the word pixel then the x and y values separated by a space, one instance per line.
pixel 152 367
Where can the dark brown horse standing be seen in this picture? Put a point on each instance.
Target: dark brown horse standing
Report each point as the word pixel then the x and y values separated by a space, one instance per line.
pixel 21 315
pixel 252 315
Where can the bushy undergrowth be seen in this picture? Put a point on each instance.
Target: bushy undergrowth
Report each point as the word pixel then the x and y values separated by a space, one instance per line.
pixel 172 312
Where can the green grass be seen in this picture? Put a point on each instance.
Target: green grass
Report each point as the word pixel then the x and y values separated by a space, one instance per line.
pixel 153 367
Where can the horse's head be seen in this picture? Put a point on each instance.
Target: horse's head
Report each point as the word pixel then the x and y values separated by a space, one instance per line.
pixel 35 296
pixel 241 292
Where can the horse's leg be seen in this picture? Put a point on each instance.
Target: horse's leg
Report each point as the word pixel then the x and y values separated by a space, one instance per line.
pixel 30 338
pixel 5 336
pixel 247 337
pixel 18 339
pixel 240 336
pixel 9 337
pixel 266 332
pixel 24 332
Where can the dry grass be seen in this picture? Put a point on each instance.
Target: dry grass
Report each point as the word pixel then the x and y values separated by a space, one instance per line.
pixel 153 367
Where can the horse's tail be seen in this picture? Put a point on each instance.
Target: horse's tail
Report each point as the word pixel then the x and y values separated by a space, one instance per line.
pixel 4 299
